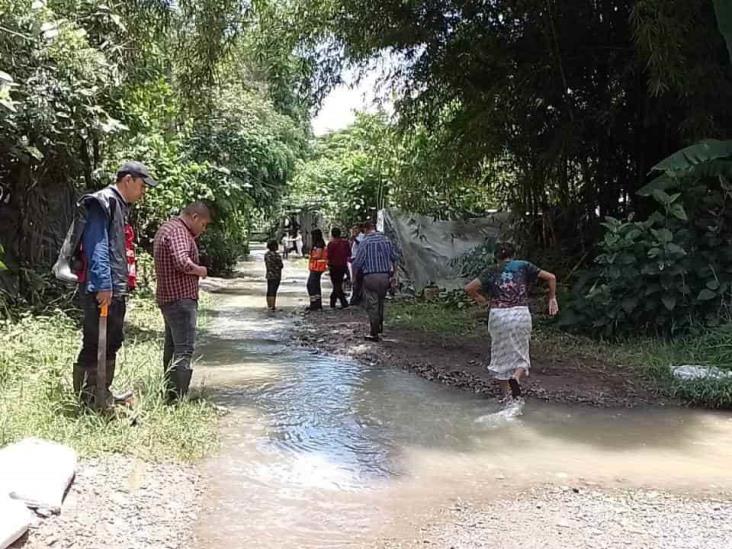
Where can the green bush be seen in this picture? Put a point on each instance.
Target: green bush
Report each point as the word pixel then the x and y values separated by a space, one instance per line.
pixel 672 271
pixel 221 248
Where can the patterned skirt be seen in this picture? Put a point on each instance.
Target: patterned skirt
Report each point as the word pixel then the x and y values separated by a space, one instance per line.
pixel 510 331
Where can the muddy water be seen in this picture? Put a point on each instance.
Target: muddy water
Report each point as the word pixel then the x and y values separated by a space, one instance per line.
pixel 323 452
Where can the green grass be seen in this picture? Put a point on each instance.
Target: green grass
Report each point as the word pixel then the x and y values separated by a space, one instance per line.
pixel 649 359
pixel 434 317
pixel 36 395
pixel 713 347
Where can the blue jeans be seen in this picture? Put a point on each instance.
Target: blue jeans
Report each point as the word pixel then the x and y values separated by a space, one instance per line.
pixel 180 340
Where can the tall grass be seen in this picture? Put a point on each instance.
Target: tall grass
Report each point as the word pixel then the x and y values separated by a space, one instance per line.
pixel 36 394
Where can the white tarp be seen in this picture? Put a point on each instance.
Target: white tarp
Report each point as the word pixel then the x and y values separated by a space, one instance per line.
pixel 689 372
pixel 428 246
pixel 37 472
pixel 15 519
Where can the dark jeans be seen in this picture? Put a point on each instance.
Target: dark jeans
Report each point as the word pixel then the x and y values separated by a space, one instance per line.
pixel 273 285
pixel 337 275
pixel 375 287
pixel 180 339
pixel 85 369
pixel 314 291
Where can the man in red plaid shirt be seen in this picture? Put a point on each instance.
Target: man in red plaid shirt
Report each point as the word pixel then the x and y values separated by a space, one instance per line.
pixel 178 273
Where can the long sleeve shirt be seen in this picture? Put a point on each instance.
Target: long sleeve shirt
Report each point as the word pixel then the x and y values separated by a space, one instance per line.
pixel 339 250
pixel 376 254
pixel 176 258
pixel 95 244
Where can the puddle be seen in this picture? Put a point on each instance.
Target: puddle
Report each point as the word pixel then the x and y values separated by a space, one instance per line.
pixel 324 452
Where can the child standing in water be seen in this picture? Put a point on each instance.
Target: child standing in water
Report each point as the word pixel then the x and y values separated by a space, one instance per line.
pixel 273 264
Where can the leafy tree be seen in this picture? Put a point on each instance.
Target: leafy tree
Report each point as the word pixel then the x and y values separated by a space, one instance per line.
pixel 570 102
pixel 350 172
pixel 370 165
pixel 189 87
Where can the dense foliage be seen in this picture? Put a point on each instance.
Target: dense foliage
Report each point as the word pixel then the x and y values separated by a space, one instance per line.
pixel 560 108
pixel 557 110
pixel 354 172
pixel 216 112
pixel 673 270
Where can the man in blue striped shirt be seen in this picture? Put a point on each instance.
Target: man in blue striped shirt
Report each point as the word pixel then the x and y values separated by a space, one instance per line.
pixel 375 263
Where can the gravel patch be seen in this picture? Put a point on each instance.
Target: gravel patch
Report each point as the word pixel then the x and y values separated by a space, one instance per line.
pixel 562 517
pixel 120 502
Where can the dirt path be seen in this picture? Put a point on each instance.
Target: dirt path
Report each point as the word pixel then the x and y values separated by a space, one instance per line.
pixel 119 502
pixel 559 518
pixel 458 361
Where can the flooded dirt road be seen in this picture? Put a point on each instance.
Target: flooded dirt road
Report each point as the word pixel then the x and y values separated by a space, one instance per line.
pixel 323 452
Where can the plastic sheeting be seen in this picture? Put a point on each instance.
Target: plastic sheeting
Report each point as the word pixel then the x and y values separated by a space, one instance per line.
pixel 37 472
pixel 428 246
pixel 689 372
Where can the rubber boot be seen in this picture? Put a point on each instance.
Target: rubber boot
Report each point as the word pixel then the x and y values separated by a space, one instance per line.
pixel 315 304
pixel 83 389
pixel 182 380
pixel 77 378
pixel 270 303
pixel 374 332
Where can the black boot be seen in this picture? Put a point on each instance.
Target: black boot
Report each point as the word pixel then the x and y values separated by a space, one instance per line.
pixel 83 389
pixel 177 383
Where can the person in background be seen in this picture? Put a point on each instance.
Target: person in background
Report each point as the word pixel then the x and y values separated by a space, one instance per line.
pixel 357 237
pixel 273 265
pixel 105 278
pixel 178 271
pixel 509 323
pixel 285 246
pixel 375 263
pixel 338 252
pixel 317 265
pixel 297 243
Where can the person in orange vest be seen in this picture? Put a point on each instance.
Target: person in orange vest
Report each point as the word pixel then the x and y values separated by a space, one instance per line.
pixel 317 265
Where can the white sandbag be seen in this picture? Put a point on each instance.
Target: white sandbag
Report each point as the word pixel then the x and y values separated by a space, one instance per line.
pixel 37 472
pixel 15 519
pixel 689 372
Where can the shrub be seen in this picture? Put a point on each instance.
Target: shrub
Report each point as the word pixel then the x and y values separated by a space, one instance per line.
pixel 672 271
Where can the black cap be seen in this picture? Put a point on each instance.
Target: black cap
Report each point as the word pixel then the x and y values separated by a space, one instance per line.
pixel 136 169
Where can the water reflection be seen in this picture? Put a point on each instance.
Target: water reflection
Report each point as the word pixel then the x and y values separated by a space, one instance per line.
pixel 319 450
